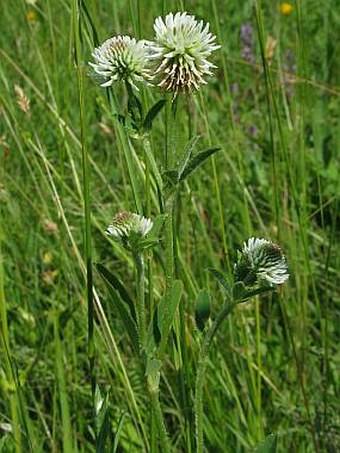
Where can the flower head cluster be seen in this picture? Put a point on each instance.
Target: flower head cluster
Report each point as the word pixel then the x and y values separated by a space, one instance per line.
pixel 122 58
pixel 261 260
pixel 180 50
pixel 129 228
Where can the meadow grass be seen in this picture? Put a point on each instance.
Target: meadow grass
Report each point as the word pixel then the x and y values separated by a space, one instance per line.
pixel 72 377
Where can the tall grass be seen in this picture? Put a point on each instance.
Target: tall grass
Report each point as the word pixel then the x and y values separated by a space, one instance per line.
pixel 70 377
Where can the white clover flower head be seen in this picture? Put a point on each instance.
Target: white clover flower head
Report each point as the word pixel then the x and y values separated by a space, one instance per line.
pixel 122 58
pixel 261 260
pixel 180 50
pixel 128 225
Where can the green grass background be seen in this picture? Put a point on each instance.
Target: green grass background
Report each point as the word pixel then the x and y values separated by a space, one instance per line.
pixel 274 365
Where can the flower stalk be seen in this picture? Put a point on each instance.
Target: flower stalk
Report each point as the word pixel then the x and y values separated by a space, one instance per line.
pixel 260 260
pixel 140 272
pixel 157 413
pixel 130 229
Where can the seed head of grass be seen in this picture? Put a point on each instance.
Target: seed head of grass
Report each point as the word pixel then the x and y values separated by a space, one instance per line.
pixel 22 99
pixel 180 51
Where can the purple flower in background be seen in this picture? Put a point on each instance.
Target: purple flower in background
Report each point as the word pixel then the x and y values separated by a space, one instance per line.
pixel 289 69
pixel 289 61
pixel 247 34
pixel 247 42
pixel 252 130
pixel 234 88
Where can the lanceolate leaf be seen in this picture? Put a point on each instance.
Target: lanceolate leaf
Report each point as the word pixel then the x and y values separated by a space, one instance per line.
pixel 158 223
pixel 118 432
pixel 202 312
pixel 116 284
pixel 88 16
pixel 239 291
pixel 103 425
pixel 123 311
pixel 167 310
pixel 220 278
pixel 152 113
pixel 134 108
pixel 170 178
pixel 188 150
pixel 196 161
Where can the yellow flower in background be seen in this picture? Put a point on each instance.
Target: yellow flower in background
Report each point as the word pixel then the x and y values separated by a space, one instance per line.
pixel 286 8
pixel 31 16
pixel 49 277
pixel 47 258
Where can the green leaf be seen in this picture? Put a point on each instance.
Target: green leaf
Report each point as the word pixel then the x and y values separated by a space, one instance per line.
pixel 152 238
pixel 188 150
pixel 118 432
pixel 147 243
pixel 153 374
pixel 202 312
pixel 154 335
pixel 153 366
pixel 268 445
pixel 88 15
pixel 123 311
pixel 167 310
pixel 152 113
pixel 239 291
pixel 102 421
pixel 156 229
pixel 116 284
pixel 196 161
pixel 155 328
pixel 120 118
pixel 170 178
pixel 134 108
pixel 220 278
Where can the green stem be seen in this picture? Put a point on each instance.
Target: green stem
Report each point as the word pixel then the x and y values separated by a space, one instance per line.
pixel 173 155
pixel 133 171
pixel 139 260
pixel 86 194
pixel 12 387
pixel 62 387
pixel 202 362
pixel 157 413
pixel 169 244
pixel 259 367
pixel 184 381
pixel 153 428
pixel 171 115
pixel 185 370
pixel 171 133
pixel 151 162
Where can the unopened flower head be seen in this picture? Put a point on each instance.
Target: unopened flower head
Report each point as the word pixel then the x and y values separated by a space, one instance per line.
pixel 181 50
pixel 261 260
pixel 122 58
pixel 129 228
